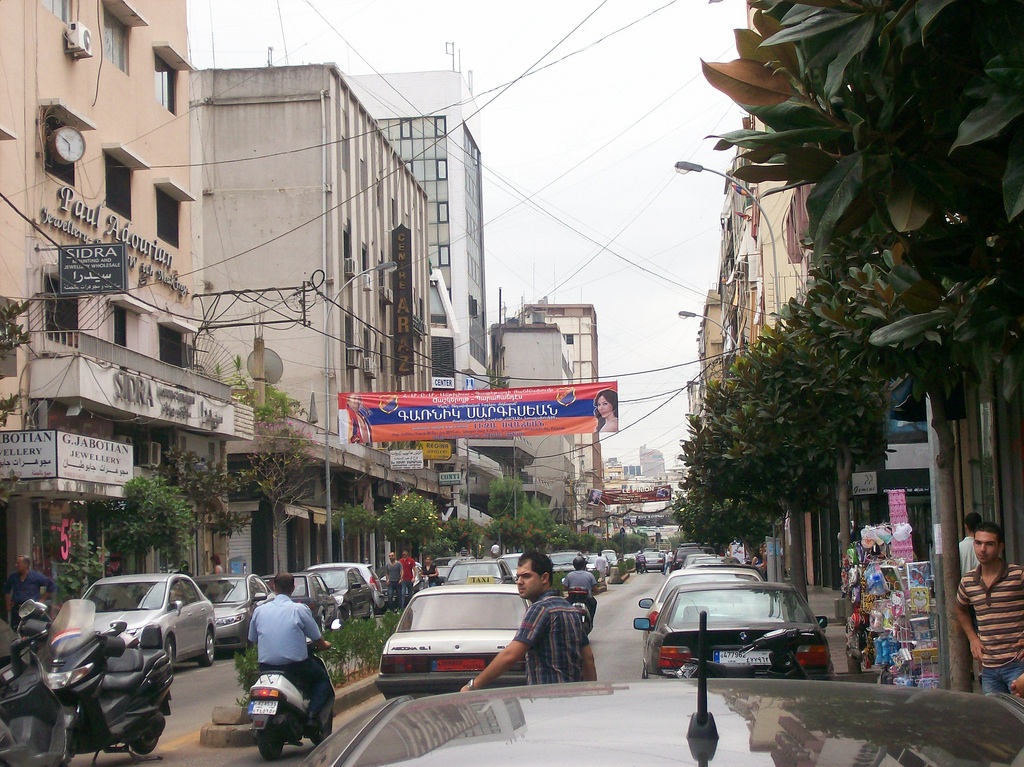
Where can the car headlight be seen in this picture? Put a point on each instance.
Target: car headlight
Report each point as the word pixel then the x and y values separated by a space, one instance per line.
pixel 58 680
pixel 230 620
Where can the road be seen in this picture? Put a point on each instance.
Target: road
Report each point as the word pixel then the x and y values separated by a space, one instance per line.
pixel 197 690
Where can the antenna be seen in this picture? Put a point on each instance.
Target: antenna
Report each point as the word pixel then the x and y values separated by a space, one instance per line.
pixel 449 48
pixel 702 735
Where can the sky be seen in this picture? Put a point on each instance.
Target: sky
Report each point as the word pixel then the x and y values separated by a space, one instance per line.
pixel 586 105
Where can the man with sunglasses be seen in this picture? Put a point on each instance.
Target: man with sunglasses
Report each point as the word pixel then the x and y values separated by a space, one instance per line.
pixel 551 637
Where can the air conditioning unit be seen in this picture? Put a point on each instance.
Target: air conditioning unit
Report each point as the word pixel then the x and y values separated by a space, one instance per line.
pixel 350 267
pixel 387 295
pixel 152 453
pixel 78 41
pixel 369 368
pixel 352 355
pixel 368 281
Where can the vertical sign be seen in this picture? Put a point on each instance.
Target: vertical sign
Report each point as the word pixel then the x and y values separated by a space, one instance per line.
pixel 401 254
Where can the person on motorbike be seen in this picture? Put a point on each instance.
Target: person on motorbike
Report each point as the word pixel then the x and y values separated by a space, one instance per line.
pixel 280 628
pixel 580 578
pixel 641 562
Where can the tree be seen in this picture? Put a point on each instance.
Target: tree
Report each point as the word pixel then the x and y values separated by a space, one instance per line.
pixel 410 520
pixel 280 469
pixel 152 515
pixel 505 497
pixel 205 484
pixel 358 520
pixel 463 533
pixel 83 566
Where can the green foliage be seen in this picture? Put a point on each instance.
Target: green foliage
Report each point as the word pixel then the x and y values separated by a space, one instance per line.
pixel 463 534
pixel 277 405
pixel 205 484
pixel 84 565
pixel 358 520
pixel 506 498
pixel 625 564
pixel 151 515
pixel 410 520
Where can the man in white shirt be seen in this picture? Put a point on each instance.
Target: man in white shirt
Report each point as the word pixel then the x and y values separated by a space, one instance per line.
pixel 968 561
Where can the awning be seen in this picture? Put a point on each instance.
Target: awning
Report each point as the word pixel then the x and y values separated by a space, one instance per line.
pixel 317 513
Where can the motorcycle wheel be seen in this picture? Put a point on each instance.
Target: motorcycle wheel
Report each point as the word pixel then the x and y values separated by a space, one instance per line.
pixel 144 746
pixel 270 743
pixel 326 730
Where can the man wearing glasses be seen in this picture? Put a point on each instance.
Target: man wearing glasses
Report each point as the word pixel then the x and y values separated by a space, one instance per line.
pixel 551 637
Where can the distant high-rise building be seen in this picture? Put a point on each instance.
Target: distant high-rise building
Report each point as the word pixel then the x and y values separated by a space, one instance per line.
pixel 652 463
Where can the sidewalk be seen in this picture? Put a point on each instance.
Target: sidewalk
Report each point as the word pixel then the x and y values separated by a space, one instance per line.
pixel 823 602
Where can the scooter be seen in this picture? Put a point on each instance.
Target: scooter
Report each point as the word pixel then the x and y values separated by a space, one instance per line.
pixel 34 727
pixel 117 695
pixel 784 663
pixel 279 710
pixel 578 599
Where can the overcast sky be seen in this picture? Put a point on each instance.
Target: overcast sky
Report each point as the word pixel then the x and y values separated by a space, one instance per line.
pixel 581 203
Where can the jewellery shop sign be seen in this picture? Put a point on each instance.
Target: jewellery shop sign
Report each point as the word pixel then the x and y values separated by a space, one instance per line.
pixel 50 454
pixel 96 226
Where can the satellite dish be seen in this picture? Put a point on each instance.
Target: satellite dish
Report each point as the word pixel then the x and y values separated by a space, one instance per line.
pixel 273 368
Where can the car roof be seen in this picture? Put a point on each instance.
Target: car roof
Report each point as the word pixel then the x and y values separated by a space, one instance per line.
pixel 140 578
pixel 460 588
pixel 222 577
pixel 759 722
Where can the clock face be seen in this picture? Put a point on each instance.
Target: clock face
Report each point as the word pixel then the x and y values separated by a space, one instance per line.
pixel 68 144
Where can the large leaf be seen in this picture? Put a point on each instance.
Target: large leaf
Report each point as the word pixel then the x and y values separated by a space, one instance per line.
pixel 989 119
pixel 831 198
pixel 926 11
pixel 908 328
pixel 908 208
pixel 1013 179
pixel 922 296
pixel 781 140
pixel 747 82
pixel 791 115
pixel 825 20
pixel 854 42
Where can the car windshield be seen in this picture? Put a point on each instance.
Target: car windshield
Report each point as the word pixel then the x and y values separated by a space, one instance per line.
pixel 563 558
pixel 122 596
pixel 702 576
pixel 335 579
pixel 729 607
pixel 462 572
pixel 436 610
pixel 224 590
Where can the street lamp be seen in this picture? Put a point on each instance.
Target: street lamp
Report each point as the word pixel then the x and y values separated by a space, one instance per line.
pixel 728 333
pixel 386 266
pixel 683 167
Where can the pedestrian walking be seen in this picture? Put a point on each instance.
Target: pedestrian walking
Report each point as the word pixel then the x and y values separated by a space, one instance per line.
pixel 409 566
pixel 216 566
pixel 995 589
pixel 430 572
pixel 23 585
pixel 393 574
pixel 551 638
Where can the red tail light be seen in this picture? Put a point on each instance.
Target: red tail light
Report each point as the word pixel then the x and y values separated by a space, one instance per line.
pixel 652 616
pixel 262 693
pixel 812 655
pixel 404 664
pixel 673 657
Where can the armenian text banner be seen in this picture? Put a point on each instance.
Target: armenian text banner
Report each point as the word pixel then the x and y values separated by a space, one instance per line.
pixel 479 413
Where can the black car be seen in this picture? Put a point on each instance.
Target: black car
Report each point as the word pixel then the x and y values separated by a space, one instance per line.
pixel 350 590
pixel 311 591
pixel 738 613
pixel 759 722
pixel 685 549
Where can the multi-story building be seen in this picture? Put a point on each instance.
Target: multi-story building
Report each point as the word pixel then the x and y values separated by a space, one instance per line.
pixel 94 153
pixel 652 463
pixel 304 205
pixel 430 119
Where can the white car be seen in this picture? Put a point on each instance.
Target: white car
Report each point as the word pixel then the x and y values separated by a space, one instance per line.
pixel 447 635
pixel 171 601
pixel 379 598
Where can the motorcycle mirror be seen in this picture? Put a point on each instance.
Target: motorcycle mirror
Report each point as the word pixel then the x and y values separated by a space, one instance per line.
pixel 822 621
pixel 151 638
pixel 116 627
pixel 29 606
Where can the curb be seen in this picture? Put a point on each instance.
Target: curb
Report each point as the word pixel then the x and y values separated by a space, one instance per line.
pixel 229 726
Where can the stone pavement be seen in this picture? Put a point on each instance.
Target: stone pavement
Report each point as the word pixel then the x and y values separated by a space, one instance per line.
pixel 823 602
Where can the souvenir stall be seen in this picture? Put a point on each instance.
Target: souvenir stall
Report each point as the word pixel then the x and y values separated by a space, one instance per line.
pixel 892 626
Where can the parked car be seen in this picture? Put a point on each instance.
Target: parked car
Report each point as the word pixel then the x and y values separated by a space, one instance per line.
pixel 512 559
pixel 171 601
pixel 447 635
pixel 377 590
pixel 351 592
pixel 611 555
pixel 738 613
pixel 311 591
pixel 234 598
pixel 684 549
pixel 706 574
pixel 758 722
pixel 470 571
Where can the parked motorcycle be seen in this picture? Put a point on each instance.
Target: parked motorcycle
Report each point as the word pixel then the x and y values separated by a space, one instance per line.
pixel 784 663
pixel 579 599
pixel 34 727
pixel 279 710
pixel 118 696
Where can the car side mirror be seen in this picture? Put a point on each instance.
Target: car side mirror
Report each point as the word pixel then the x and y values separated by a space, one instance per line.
pixel 333 591
pixel 642 624
pixel 646 603
pixel 822 621
pixel 176 605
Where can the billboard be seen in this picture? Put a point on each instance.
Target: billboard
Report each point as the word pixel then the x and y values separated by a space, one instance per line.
pixel 586 408
pixel 613 497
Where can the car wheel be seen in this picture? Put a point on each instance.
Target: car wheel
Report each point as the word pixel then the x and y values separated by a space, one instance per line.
pixel 206 659
pixel 171 650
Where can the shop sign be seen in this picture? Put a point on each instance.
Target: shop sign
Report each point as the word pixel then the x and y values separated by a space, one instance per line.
pixel 449 478
pixel 405 337
pixel 436 451
pixel 406 459
pixel 443 382
pixel 148 397
pixel 90 269
pixel 865 482
pixel 28 454
pixel 49 454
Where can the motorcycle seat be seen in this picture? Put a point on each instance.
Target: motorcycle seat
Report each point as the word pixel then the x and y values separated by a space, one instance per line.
pixel 125 673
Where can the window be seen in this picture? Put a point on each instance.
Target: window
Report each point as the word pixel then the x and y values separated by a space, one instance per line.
pixel 120 326
pixel 166 78
pixel 440 126
pixel 444 255
pixel 119 187
pixel 167 218
pixel 442 169
pixel 61 314
pixel 115 42
pixel 364 259
pixel 442 213
pixel 60 8
pixel 570 339
pixel 173 350
pixel 405 129
pixel 346 240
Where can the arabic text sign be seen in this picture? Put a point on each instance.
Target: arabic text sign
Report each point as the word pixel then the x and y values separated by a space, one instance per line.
pixel 480 414
pixel 28 454
pixel 100 267
pixel 48 454
pixel 406 459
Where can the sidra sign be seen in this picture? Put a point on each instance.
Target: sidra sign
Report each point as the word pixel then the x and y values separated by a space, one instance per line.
pixel 98 268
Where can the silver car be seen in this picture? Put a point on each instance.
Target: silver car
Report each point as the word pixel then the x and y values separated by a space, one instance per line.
pixel 379 599
pixel 171 601
pixel 234 598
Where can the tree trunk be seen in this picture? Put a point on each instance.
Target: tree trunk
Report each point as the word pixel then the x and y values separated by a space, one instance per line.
pixel 796 556
pixel 844 471
pixel 958 650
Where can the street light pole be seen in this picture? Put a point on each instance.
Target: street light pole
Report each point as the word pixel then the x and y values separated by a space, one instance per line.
pixel 728 333
pixel 386 266
pixel 683 167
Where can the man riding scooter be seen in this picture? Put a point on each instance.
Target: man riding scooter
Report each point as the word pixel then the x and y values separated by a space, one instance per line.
pixel 581 584
pixel 279 629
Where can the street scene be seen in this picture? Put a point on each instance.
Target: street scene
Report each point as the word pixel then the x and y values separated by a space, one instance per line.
pixel 391 382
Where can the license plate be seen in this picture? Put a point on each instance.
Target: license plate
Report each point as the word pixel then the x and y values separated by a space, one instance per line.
pixel 736 658
pixel 481 579
pixel 266 707
pixel 459 664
